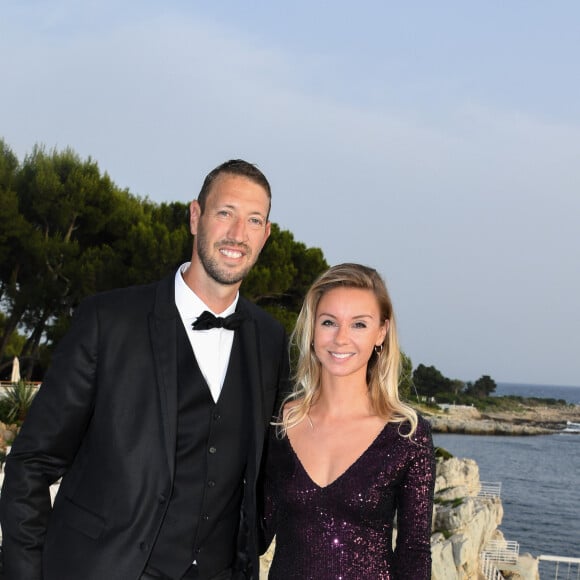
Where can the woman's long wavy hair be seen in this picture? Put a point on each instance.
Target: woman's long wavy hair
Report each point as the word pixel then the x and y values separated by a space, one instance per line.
pixel 383 368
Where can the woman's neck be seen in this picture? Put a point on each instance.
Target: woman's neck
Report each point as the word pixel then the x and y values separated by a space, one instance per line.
pixel 342 398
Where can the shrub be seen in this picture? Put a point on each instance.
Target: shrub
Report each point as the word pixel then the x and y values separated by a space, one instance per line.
pixel 5 407
pixel 442 453
pixel 17 401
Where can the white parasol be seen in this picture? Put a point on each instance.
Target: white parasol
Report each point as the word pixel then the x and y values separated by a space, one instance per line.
pixel 15 377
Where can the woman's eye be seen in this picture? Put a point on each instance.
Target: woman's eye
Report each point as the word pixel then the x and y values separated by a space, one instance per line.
pixel 327 323
pixel 360 324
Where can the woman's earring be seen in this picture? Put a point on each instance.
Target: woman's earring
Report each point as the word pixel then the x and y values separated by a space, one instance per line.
pixel 378 349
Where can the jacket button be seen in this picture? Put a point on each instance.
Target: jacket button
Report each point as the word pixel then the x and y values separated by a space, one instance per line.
pixel 162 499
pixel 211 483
pixel 143 546
pixel 212 450
pixel 216 416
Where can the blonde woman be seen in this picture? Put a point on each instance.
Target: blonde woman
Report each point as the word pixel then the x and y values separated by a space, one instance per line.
pixel 347 454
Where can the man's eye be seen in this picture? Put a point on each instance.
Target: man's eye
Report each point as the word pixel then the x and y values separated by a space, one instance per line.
pixel 256 222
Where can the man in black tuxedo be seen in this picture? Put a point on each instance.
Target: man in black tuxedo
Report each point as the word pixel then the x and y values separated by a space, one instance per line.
pixel 153 413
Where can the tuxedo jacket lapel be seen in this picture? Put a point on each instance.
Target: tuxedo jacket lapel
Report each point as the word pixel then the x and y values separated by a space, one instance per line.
pixel 252 365
pixel 163 331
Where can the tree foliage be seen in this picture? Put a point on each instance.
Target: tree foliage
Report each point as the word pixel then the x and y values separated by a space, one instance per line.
pixel 482 388
pixel 429 381
pixel 68 231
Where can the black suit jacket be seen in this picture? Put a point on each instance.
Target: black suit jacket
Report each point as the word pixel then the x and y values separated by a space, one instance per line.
pixel 105 421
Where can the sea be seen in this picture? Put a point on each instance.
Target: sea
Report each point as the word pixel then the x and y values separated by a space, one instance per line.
pixel 540 477
pixel 569 394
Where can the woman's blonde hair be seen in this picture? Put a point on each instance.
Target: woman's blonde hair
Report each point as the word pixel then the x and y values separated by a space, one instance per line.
pixel 383 368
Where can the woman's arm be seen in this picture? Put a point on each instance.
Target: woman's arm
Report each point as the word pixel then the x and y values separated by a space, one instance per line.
pixel 415 509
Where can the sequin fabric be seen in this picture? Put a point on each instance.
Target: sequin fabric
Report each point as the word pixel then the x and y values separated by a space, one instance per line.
pixel 344 531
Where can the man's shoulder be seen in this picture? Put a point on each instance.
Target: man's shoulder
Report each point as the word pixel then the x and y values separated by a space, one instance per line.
pixel 126 297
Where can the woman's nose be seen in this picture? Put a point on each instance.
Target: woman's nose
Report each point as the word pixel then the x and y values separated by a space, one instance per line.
pixel 341 334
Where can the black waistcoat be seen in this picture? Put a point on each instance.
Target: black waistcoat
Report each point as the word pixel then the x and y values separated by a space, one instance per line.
pixel 201 522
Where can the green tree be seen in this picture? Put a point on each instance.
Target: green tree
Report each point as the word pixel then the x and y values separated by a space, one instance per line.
pixel 10 221
pixel 41 279
pixel 482 388
pixel 457 387
pixel 71 232
pixel 429 381
pixel 15 235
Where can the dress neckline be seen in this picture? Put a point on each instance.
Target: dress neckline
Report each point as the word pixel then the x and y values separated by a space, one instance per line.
pixel 349 468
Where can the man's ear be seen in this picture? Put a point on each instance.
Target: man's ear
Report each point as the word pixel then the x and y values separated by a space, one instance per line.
pixel 267 232
pixel 194 215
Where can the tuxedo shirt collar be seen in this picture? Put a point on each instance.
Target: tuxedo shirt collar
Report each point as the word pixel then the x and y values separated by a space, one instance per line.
pixel 189 304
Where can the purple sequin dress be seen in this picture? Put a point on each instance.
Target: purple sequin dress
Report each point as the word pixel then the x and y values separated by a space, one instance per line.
pixel 344 531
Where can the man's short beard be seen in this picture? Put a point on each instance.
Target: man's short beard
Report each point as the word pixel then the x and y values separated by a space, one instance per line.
pixel 211 266
pixel 220 275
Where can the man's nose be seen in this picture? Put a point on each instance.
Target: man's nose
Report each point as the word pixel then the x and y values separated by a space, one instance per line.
pixel 237 230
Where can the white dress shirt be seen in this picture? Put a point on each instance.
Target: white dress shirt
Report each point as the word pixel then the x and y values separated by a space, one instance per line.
pixel 212 348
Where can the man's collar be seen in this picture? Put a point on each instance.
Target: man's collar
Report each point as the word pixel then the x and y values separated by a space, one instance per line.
pixel 189 304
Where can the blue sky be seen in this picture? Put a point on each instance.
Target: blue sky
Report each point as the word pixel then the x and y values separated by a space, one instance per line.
pixel 436 141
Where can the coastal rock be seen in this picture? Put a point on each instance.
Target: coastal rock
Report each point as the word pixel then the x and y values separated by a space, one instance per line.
pixel 450 424
pixel 463 521
pixel 524 420
pixel 442 558
pixel 7 435
pixel 463 411
pixel 527 568
pixel 457 478
pixel 465 524
pixel 471 525
pixel 266 560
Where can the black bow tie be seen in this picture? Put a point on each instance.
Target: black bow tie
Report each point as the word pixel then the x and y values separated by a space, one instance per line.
pixel 207 320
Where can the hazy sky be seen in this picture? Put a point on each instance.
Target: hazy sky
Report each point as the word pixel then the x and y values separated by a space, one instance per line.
pixel 436 141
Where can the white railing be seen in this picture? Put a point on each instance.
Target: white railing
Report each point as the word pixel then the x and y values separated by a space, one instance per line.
pixel 498 552
pixel 490 489
pixel 562 567
pixel 502 551
pixel 488 569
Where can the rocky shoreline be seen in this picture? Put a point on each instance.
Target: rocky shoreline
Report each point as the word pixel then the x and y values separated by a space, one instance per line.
pixel 526 420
